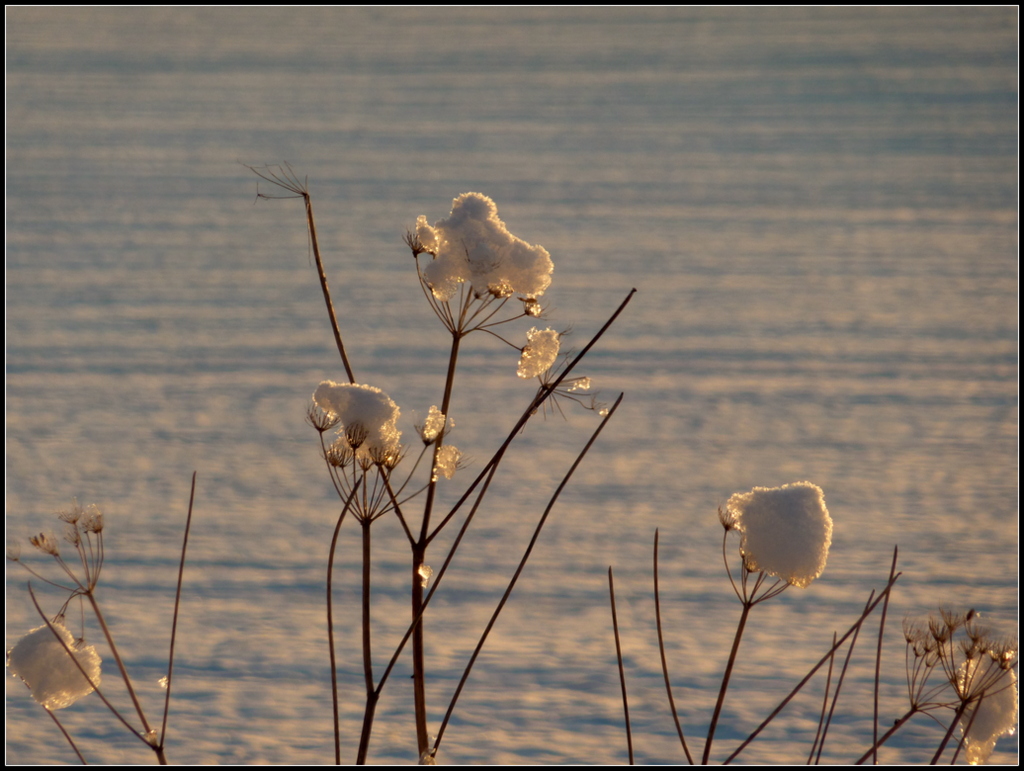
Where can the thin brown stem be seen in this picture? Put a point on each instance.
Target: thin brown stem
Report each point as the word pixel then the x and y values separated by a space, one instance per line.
pixel 177 607
pixel 519 571
pixel 747 605
pixel 854 629
pixel 664 660
pixel 622 671
pixel 330 621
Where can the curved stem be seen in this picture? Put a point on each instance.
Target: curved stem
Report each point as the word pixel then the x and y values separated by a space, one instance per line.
pixel 622 671
pixel 664 660
pixel 725 681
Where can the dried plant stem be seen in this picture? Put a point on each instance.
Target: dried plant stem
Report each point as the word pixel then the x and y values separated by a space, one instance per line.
pixel 824 704
pixel 419 553
pixel 519 571
pixel 854 629
pixel 285 178
pixel 67 736
pixel 747 605
pixel 885 737
pixel 622 671
pixel 177 607
pixel 113 710
pixel 878 673
pixel 330 621
pixel 323 286
pixel 664 660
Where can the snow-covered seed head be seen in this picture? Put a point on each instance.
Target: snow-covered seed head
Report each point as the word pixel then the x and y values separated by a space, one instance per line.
pixel 366 418
pixel 786 531
pixel 43 663
pixel 474 245
pixel 539 353
pixel 433 425
pixel 992 711
pixel 448 461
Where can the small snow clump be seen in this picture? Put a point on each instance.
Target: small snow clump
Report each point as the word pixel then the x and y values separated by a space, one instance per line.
pixel 786 531
pixel 433 425
pixel 367 417
pixel 539 353
pixel 996 715
pixel 41 661
pixel 474 245
pixel 448 458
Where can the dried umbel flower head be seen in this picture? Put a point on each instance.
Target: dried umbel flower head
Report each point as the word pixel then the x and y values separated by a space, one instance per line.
pixel 786 531
pixel 366 418
pixel 474 245
pixel 43 663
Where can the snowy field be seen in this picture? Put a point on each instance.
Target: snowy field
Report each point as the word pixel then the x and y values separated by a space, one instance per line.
pixel 818 208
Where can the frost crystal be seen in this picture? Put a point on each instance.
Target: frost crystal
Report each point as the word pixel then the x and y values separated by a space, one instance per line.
pixel 41 661
pixel 996 715
pixel 540 352
pixel 447 461
pixel 786 531
pixel 474 245
pixel 367 417
pixel 433 425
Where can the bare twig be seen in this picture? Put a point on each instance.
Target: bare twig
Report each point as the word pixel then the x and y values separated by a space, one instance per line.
pixel 622 671
pixel 664 661
pixel 177 606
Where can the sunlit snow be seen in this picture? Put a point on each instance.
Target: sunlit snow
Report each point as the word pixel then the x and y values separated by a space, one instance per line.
pixel 539 353
pixel 367 416
pixel 786 530
pixel 996 715
pixel 43 663
pixel 474 245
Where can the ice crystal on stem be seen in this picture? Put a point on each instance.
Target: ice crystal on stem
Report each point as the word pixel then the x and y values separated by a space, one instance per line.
pixel 474 245
pixel 43 663
pixel 539 353
pixel 786 531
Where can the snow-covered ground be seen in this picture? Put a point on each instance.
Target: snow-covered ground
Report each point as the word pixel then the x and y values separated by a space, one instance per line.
pixel 818 208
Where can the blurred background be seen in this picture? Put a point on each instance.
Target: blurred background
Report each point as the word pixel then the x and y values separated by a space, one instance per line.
pixel 817 206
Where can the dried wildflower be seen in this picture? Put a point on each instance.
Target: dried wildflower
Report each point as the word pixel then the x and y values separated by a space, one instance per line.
pixel 366 417
pixel 786 531
pixel 539 353
pixel 46 543
pixel 320 420
pixel 43 663
pixel 432 426
pixel 92 520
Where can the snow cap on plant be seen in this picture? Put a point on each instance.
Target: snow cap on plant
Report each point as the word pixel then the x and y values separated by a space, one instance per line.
pixel 42 662
pixel 996 715
pixel 474 245
pixel 786 531
pixel 539 353
pixel 367 418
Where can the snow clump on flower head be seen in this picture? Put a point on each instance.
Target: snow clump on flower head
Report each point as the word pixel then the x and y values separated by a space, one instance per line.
pixel 786 531
pixel 990 673
pixel 474 245
pixel 539 353
pixel 367 417
pixel 41 661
